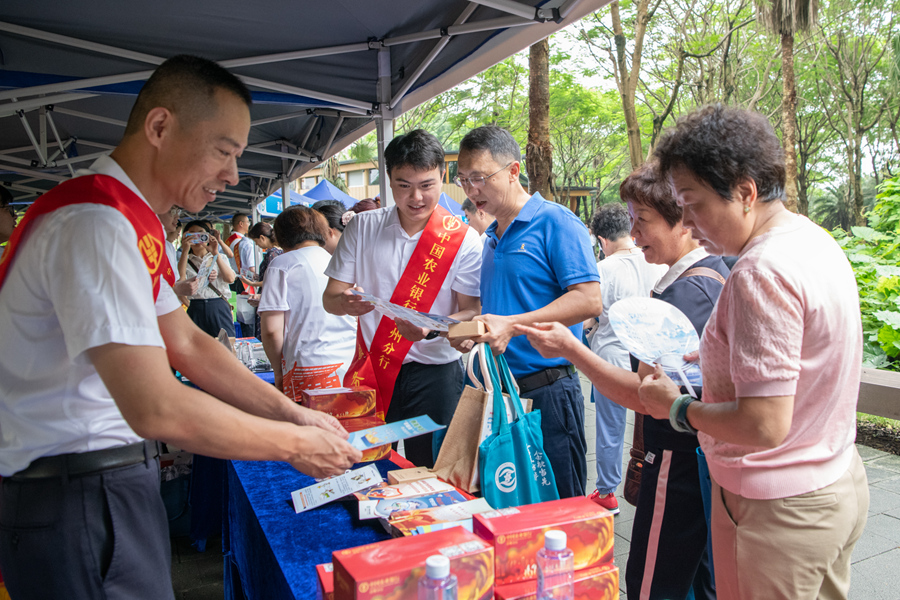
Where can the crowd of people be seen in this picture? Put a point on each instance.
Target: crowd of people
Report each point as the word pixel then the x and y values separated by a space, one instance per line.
pixel 780 346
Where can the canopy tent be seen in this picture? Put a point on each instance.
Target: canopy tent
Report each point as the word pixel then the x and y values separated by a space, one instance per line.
pixel 273 205
pixel 451 205
pixel 322 74
pixel 325 190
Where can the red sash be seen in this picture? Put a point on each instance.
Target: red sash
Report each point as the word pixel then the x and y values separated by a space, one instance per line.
pixel 236 249
pixel 417 289
pixel 106 190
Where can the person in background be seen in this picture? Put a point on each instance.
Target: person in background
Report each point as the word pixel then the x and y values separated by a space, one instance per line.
pixel 624 273
pixel 537 266
pixel 364 205
pixel 8 217
pixel 781 359
pixel 333 211
pixel 241 246
pixel 668 556
pixel 223 247
pixel 183 288
pixel 263 236
pixel 301 340
pixel 208 308
pixel 478 219
pixel 437 258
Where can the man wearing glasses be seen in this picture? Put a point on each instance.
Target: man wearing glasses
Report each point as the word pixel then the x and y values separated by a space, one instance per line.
pixel 537 267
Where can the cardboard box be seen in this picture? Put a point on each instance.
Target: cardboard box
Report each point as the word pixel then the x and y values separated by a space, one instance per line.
pixel 325 582
pixel 390 570
pixel 409 475
pixel 518 533
pixel 358 424
pixel 343 403
pixel 596 583
pixel 466 329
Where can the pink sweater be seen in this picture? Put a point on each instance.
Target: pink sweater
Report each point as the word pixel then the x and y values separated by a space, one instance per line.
pixel 787 324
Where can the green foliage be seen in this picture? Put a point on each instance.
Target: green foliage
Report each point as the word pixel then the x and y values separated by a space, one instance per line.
pixel 874 253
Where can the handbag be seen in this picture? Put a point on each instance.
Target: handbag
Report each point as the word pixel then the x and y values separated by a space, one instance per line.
pixel 512 465
pixel 457 458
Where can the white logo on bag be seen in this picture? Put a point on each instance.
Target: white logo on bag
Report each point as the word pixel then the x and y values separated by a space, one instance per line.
pixel 505 477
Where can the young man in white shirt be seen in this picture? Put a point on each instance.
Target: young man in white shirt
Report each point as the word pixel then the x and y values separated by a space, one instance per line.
pixel 89 327
pixel 418 255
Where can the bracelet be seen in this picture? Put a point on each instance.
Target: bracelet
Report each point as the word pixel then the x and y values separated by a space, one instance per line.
pixel 678 415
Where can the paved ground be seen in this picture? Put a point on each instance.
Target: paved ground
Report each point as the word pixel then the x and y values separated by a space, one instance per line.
pixel 876 559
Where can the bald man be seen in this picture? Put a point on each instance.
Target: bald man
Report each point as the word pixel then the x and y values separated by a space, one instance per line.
pixel 89 327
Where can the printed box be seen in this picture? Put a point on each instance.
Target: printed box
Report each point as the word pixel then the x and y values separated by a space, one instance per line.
pixel 596 583
pixel 392 569
pixel 518 533
pixel 343 403
pixel 325 583
pixel 361 423
pixel 409 475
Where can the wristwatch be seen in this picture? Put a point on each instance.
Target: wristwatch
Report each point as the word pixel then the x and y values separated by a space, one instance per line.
pixel 432 334
pixel 678 415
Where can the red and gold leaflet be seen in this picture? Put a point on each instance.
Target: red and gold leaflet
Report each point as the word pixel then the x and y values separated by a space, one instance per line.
pixel 325 582
pixel 518 533
pixel 376 453
pixel 341 402
pixel 596 583
pixel 391 570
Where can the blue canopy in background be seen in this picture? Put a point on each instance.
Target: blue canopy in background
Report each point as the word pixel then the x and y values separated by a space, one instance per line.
pixel 451 205
pixel 325 190
pixel 273 205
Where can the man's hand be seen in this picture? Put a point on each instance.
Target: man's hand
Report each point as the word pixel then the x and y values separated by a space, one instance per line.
pixel 410 331
pixel 315 418
pixel 550 339
pixel 353 305
pixel 324 454
pixel 462 345
pixel 186 287
pixel 657 393
pixel 499 331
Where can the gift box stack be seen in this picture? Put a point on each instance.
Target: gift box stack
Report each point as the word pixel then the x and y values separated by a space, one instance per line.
pixel 353 407
pixel 496 560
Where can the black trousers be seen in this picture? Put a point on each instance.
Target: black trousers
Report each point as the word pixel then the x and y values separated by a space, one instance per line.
pixel 212 315
pixel 432 390
pixel 93 536
pixel 668 554
pixel 562 423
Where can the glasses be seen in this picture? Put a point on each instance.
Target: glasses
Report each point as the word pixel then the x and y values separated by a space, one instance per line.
pixel 11 210
pixel 476 182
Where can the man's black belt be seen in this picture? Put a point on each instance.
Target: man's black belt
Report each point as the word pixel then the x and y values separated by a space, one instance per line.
pixel 88 463
pixel 542 378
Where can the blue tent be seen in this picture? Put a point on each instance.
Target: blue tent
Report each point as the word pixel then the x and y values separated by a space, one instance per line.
pixel 451 205
pixel 325 190
pixel 272 206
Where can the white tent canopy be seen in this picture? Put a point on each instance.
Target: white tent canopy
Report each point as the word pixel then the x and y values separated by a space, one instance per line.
pixel 322 74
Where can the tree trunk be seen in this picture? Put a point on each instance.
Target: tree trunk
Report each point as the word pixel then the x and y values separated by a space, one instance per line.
pixel 629 81
pixel 789 125
pixel 538 151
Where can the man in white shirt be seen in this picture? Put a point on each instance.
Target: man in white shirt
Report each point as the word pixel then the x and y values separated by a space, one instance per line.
pixel 89 327
pixel 418 255
pixel 242 246
pixel 624 273
pixel 187 287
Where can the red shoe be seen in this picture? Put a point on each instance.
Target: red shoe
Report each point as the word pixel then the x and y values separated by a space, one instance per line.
pixel 607 501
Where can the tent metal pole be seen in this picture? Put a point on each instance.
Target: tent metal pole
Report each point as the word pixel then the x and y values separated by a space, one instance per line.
pixel 475 27
pixel 276 154
pixel 265 59
pixel 96 144
pixel 334 132
pixel 78 159
pixel 84 115
pixel 442 43
pixel 567 7
pixel 65 86
pixel 515 8
pixel 17 160
pixel 62 147
pixel 31 137
pixel 38 174
pixel 384 123
pixel 284 117
pixel 12 108
pixel 263 174
pixel 362 106
pixel 42 129
pixel 65 40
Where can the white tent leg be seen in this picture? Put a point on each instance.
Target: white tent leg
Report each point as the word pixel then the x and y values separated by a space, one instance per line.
pixel 384 123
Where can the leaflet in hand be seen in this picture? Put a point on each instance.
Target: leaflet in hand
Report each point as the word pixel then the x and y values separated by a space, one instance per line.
pixel 384 508
pixel 206 265
pixel 395 311
pixel 392 432
pixel 335 487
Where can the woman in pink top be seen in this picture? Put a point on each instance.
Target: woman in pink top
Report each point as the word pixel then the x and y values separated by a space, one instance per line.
pixel 781 358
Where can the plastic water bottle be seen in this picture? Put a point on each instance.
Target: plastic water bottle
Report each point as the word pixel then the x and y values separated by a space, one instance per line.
pixel 555 568
pixel 438 583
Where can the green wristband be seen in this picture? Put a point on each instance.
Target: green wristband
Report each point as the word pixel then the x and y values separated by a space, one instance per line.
pixel 678 415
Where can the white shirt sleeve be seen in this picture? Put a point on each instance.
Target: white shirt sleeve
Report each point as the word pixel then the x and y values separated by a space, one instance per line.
pixel 167 301
pixel 98 282
pixel 343 262
pixel 274 295
pixel 248 256
pixel 468 276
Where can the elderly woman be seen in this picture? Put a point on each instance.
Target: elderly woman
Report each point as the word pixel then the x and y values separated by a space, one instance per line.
pixel 781 359
pixel 668 556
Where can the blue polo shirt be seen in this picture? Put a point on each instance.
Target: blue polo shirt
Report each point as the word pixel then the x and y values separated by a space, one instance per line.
pixel 542 252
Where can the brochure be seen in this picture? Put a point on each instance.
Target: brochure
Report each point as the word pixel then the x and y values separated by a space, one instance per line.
pixel 405 490
pixel 335 487
pixel 408 522
pixel 373 509
pixel 392 432
pixel 395 311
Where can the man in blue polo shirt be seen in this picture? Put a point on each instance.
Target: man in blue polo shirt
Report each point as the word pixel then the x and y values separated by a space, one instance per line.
pixel 537 267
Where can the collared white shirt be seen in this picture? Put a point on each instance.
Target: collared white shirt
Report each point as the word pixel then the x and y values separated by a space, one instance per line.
pixel 78 282
pixel 373 253
pixel 676 270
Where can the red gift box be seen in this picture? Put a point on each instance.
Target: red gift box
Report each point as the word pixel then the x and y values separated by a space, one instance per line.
pixel 325 587
pixel 596 583
pixel 390 570
pixel 343 403
pixel 376 453
pixel 518 533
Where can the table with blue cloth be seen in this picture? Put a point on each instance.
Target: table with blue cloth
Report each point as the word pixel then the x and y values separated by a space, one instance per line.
pixel 270 551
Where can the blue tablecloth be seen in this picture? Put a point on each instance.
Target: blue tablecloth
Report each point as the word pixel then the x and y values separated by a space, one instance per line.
pixel 270 551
